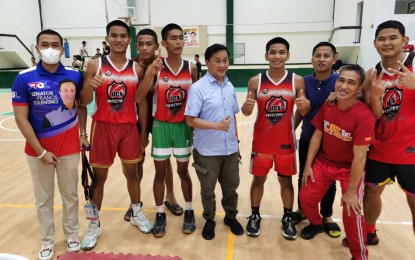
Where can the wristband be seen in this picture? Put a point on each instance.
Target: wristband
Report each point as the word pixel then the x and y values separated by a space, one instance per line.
pixel 42 154
pixel 84 134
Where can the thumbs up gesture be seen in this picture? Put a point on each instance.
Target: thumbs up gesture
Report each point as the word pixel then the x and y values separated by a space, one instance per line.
pixel 224 124
pixel 249 104
pixel 97 79
pixel 302 102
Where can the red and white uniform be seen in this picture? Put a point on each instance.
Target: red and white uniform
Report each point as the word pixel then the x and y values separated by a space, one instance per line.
pixel 395 131
pixel 273 130
pixel 115 98
pixel 170 93
pixel 342 129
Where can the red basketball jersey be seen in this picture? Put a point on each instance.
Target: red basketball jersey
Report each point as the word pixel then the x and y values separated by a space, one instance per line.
pixel 170 94
pixel 273 130
pixel 395 130
pixel 115 98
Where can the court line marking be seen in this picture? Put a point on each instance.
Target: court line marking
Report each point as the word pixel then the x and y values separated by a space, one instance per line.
pixel 5 128
pixel 229 246
pixel 265 216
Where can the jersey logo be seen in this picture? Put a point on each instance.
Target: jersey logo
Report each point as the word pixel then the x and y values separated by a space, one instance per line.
pixel 165 78
pixel 175 98
pixel 36 85
pixel 117 91
pixel 108 73
pixel 275 109
pixel 391 102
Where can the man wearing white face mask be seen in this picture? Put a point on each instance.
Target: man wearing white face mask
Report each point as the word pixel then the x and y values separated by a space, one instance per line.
pixel 53 149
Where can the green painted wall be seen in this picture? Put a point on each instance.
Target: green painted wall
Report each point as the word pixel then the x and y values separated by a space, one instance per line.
pixel 238 77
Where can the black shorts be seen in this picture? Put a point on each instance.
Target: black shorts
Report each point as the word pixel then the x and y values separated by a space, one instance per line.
pixel 79 57
pixel 379 174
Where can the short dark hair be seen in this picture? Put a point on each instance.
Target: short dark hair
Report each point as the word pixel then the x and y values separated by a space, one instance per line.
pixel 277 40
pixel 117 23
pixel 193 33
pixel 104 42
pixel 66 81
pixel 214 49
pixel 197 55
pixel 83 42
pixel 391 24
pixel 149 32
pixel 49 32
pixel 166 29
pixel 328 44
pixel 356 68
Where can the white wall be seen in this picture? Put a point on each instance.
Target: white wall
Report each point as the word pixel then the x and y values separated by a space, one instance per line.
pixel 22 19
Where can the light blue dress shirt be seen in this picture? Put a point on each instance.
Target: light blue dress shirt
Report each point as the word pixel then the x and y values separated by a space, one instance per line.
pixel 211 101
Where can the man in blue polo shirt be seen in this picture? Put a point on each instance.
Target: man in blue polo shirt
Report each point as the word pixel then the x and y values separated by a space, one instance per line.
pixel 55 148
pixel 317 89
pixel 210 110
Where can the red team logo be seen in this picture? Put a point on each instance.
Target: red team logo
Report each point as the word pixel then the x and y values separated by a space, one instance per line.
pixel 175 98
pixel 275 109
pixel 391 102
pixel 116 95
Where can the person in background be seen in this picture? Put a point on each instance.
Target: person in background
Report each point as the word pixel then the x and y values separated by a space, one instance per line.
pixel 98 54
pixel 105 48
pixel 198 66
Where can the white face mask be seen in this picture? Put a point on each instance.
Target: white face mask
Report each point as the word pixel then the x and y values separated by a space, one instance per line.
pixel 50 56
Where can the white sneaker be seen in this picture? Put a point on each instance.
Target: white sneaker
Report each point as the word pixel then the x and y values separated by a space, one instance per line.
pixel 73 244
pixel 46 251
pixel 91 235
pixel 141 222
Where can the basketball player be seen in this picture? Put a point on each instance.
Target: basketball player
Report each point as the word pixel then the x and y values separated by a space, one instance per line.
pixel 147 44
pixel 170 131
pixel 274 91
pixel 114 79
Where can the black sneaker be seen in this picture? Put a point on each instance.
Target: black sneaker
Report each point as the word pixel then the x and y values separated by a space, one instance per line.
pixel 208 232
pixel 310 231
pixel 288 229
pixel 235 226
pixel 159 228
pixel 189 222
pixel 253 226
pixel 297 217
pixel 372 240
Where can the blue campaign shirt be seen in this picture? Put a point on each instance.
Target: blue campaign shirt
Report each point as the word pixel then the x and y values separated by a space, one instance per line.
pixel 39 89
pixel 316 92
pixel 211 101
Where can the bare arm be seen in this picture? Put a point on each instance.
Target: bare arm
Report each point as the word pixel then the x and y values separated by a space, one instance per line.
pixel 350 197
pixel 195 75
pixel 297 119
pixel 313 149
pixel 249 103
pixel 21 115
pixel 92 80
pixel 82 116
pixel 302 103
pixel 143 118
pixel 147 82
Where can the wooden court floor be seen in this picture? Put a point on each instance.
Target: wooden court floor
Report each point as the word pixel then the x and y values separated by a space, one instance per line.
pixel 20 234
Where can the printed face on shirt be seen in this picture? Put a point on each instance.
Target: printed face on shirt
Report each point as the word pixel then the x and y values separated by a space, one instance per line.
pixel 277 55
pixel 218 64
pixel 389 43
pixel 67 92
pixel 323 58
pixel 118 39
pixel 348 85
pixel 175 42
pixel 147 46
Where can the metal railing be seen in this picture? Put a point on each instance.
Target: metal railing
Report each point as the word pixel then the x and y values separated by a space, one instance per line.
pixel 346 28
pixel 11 43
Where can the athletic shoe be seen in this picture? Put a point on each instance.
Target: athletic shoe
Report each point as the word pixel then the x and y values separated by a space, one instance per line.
pixel 253 226
pixel 128 214
pixel 310 231
pixel 159 229
pixel 91 236
pixel 189 222
pixel 372 240
pixel 73 244
pixel 46 251
pixel 297 217
pixel 141 222
pixel 235 226
pixel 208 232
pixel 288 229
